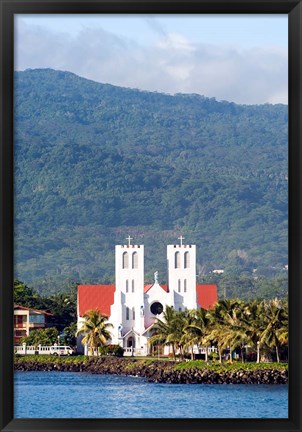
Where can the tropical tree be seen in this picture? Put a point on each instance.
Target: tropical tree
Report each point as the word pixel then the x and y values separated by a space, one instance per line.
pixel 215 335
pixel 68 336
pixel 221 325
pixel 238 330
pixel 48 336
pixel 26 296
pixel 275 317
pixel 95 330
pixel 182 320
pixel 282 332
pixel 195 330
pixel 254 313
pixel 165 331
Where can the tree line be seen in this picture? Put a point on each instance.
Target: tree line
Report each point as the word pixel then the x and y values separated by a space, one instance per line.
pixel 233 325
pixel 62 306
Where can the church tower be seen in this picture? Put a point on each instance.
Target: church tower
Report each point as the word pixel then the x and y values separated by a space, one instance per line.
pixel 128 307
pixel 182 275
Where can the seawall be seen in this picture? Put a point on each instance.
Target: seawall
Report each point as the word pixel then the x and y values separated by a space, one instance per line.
pixel 160 371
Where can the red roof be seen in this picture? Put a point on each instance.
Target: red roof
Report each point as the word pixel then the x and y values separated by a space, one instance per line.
pixel 101 297
pixel 32 310
pixel 147 287
pixel 206 295
pixel 95 297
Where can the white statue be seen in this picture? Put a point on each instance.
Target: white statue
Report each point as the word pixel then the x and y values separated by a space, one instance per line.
pixel 156 277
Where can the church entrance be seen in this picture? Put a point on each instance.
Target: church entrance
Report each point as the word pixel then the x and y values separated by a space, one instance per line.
pixel 129 347
pixel 130 342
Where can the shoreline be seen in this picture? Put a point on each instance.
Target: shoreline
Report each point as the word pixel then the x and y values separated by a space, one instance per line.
pixel 160 371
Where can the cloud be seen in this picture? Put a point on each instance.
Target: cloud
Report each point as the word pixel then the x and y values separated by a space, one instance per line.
pixel 154 25
pixel 173 64
pixel 176 42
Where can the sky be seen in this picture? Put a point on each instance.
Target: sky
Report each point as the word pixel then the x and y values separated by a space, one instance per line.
pixel 238 58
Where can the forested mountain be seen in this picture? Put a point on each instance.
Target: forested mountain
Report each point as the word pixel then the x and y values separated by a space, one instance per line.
pixel 95 163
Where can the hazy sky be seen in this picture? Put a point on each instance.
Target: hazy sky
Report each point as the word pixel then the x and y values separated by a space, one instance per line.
pixel 242 58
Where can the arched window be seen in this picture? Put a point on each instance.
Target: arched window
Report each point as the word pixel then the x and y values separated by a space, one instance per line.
pixel 125 260
pixel 127 313
pixel 134 260
pixel 127 286
pixel 185 285
pixel 177 260
pixel 187 260
pixel 133 313
pixel 179 285
pixel 179 309
pixel 132 285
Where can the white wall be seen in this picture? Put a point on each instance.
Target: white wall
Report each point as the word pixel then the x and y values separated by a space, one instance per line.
pixel 183 297
pixel 129 292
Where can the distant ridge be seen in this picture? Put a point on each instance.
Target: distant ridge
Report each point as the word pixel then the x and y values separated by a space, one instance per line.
pixel 95 162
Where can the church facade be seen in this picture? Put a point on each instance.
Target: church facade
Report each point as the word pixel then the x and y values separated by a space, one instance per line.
pixel 133 306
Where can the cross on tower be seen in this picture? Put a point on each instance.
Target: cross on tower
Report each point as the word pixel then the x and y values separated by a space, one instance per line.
pixel 181 238
pixel 129 240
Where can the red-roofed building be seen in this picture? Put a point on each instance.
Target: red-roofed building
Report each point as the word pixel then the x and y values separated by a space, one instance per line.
pixel 28 319
pixel 206 295
pixel 132 306
pixel 92 297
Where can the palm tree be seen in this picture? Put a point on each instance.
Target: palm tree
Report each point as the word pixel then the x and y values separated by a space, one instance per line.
pixel 195 330
pixel 216 328
pixel 166 331
pixel 182 320
pixel 224 328
pixel 254 312
pixel 95 330
pixel 282 332
pixel 275 325
pixel 215 335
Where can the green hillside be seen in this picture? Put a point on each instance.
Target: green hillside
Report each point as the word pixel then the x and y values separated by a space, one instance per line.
pixel 95 162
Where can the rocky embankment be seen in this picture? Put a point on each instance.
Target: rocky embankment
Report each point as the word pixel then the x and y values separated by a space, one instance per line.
pixel 158 371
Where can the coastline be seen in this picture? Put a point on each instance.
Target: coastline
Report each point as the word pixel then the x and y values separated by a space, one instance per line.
pixel 160 371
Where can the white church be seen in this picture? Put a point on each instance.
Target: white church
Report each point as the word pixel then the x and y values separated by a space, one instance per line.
pixel 133 306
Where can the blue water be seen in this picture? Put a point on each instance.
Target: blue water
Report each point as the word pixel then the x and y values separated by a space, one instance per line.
pixel 83 395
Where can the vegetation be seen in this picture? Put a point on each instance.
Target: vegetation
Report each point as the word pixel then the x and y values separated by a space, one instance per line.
pixel 95 162
pixel 218 367
pixel 111 350
pixel 48 336
pixel 45 358
pixel 260 325
pixel 62 305
pixel 232 325
pixel 133 366
pixel 95 330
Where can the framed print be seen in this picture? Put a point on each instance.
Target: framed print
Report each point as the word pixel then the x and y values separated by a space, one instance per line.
pixel 150 215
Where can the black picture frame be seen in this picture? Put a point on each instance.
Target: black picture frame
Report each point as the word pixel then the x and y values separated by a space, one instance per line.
pixel 8 8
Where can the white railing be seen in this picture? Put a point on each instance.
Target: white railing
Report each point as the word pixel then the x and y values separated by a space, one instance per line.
pixel 129 351
pixel 202 350
pixel 54 349
pixel 25 349
pixel 134 352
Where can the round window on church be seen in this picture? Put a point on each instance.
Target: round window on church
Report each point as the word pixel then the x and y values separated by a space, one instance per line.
pixel 156 308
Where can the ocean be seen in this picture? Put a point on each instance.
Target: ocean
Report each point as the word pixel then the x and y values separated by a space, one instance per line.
pixel 85 395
